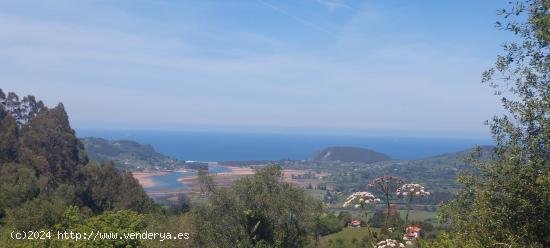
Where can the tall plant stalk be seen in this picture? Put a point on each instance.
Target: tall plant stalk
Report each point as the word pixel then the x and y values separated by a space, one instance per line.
pixel 408 209
pixel 386 184
pixel 371 236
pixel 387 194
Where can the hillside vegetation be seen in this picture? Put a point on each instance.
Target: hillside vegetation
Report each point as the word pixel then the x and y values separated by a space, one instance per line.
pixel 45 174
pixel 129 155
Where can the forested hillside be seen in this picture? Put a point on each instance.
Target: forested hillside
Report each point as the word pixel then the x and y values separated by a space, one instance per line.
pixel 44 171
pixel 129 155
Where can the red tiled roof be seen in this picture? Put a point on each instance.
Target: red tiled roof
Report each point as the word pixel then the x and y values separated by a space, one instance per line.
pixel 413 229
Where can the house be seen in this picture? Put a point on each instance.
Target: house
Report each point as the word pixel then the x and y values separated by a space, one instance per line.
pixel 355 223
pixel 412 233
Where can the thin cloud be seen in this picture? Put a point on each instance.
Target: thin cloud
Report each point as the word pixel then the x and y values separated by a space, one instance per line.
pixel 333 4
pixel 298 19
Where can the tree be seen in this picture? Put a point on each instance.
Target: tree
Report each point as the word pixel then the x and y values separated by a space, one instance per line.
pixel 206 182
pixel 18 184
pixel 345 217
pixel 257 211
pixel 329 223
pixel 110 223
pixel 379 217
pixel 8 137
pixel 109 189
pixel 160 223
pixel 183 203
pixel 509 202
pixel 49 144
pixel 44 169
pixel 33 215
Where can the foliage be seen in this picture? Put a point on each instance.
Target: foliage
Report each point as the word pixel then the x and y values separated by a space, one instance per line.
pixel 8 137
pixel 44 169
pixel 447 241
pixel 33 215
pixel 345 216
pixel 330 223
pixel 18 184
pixel 257 211
pixel 111 222
pixel 49 144
pixel 110 189
pixel 206 182
pixel 161 223
pixel 182 204
pixel 508 203
pixel 379 219
pixel 124 221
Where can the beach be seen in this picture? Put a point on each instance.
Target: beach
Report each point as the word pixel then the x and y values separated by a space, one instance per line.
pixel 222 179
pixel 235 172
pixel 144 178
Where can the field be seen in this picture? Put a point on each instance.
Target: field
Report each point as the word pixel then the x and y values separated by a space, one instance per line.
pixel 315 193
pixel 345 238
pixel 420 215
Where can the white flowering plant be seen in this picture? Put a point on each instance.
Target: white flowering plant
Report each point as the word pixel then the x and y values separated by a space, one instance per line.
pixel 360 199
pixel 389 243
pixel 412 190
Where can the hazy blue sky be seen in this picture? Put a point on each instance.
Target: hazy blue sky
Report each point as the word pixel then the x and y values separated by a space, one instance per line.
pixel 405 66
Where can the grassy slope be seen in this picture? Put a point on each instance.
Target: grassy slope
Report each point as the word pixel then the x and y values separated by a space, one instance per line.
pixel 346 236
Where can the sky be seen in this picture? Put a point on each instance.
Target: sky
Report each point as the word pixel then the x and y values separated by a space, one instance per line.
pixel 377 67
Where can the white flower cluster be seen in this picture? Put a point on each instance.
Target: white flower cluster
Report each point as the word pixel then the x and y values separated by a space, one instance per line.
pixel 359 199
pixel 388 243
pixel 412 189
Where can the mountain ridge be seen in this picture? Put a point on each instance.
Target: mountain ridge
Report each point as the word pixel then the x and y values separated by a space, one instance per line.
pixel 128 154
pixel 131 155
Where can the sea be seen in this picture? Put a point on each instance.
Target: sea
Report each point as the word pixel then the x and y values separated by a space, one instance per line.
pixel 231 146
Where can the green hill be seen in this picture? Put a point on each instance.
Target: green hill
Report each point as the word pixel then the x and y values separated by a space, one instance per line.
pixel 129 155
pixel 481 152
pixel 348 154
